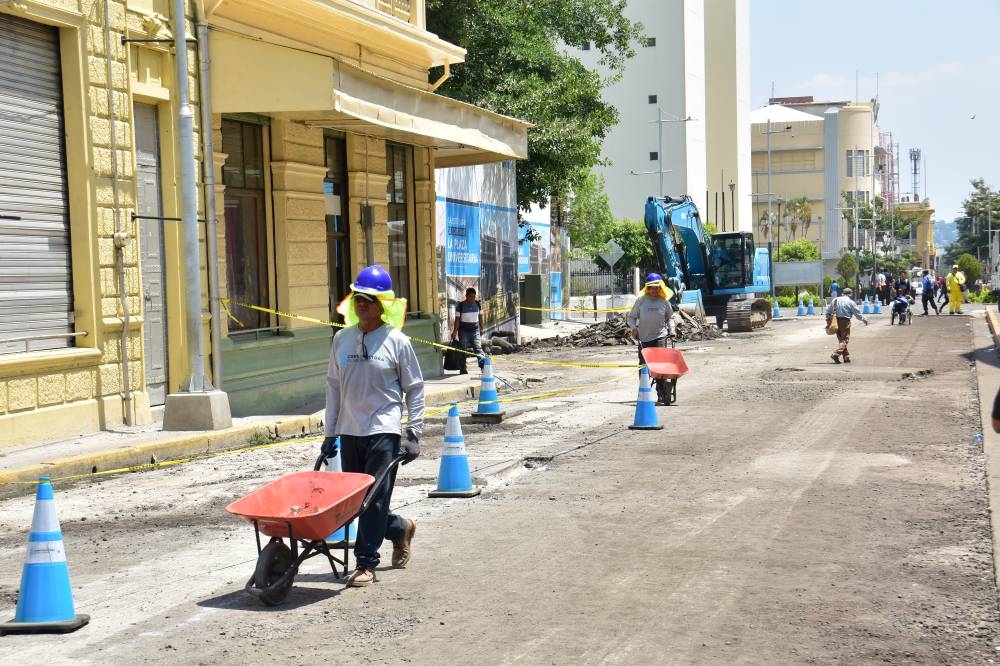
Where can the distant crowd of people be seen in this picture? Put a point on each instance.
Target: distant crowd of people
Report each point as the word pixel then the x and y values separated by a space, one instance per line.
pixel 935 291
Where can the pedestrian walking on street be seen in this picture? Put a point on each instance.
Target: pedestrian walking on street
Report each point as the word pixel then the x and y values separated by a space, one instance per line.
pixel 652 317
pixel 942 293
pixel 468 326
pixel 834 289
pixel 928 293
pixel 843 308
pixel 373 370
pixel 956 286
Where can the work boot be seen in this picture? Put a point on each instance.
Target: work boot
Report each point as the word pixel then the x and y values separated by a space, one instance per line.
pixel 836 359
pixel 361 577
pixel 401 546
pixel 847 359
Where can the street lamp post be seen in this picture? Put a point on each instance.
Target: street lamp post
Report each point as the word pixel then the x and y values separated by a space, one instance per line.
pixel 780 201
pixel 659 140
pixel 659 146
pixel 769 132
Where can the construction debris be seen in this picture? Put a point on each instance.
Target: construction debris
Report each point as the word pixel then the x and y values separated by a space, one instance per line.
pixel 610 333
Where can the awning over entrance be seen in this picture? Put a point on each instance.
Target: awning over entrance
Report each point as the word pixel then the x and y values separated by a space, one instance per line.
pixel 251 76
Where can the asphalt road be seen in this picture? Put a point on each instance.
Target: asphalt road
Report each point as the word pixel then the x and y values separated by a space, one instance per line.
pixel 790 511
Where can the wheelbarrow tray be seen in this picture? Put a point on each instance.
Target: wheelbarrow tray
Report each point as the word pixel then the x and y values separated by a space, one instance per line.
pixel 311 505
pixel 664 362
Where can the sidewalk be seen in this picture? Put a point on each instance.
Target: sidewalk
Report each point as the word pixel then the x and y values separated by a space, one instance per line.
pixel 126 447
pixel 985 330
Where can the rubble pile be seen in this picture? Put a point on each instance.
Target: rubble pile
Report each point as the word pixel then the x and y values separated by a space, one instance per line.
pixel 615 331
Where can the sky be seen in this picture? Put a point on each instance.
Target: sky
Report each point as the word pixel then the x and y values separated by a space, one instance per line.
pixel 937 69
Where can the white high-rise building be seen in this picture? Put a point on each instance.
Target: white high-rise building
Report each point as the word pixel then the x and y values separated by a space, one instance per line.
pixel 684 106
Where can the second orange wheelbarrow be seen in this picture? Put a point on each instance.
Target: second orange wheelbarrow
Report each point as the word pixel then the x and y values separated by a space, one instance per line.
pixel 666 365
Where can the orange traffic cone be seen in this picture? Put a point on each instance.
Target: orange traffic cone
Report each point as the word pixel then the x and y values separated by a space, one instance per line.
pixel 45 601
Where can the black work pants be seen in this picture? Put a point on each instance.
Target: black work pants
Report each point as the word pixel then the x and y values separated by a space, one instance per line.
pixel 928 297
pixel 370 455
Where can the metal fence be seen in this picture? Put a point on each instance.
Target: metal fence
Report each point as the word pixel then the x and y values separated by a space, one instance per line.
pixel 601 282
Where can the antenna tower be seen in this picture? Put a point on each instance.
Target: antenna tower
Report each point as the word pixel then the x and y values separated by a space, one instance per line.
pixel 915 170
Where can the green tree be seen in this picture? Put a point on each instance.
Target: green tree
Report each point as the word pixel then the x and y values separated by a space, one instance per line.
pixel 799 250
pixel 847 267
pixel 973 227
pixel 971 267
pixel 590 219
pixel 517 64
pixel 631 237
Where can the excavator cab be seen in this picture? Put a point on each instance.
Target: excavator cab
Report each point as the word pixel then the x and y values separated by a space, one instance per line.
pixel 733 261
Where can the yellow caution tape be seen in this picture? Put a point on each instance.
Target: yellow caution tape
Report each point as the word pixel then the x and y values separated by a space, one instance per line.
pixel 578 310
pixel 295 440
pixel 323 322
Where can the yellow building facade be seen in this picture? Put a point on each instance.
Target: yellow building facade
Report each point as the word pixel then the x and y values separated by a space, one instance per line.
pixel 822 151
pixel 325 133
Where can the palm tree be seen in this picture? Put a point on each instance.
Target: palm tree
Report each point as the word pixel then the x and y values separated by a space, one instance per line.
pixel 800 210
pixel 764 224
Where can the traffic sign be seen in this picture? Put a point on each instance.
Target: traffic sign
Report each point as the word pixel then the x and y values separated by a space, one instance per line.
pixel 612 253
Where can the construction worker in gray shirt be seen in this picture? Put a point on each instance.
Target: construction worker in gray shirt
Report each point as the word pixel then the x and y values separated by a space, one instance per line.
pixel 651 319
pixel 843 308
pixel 373 371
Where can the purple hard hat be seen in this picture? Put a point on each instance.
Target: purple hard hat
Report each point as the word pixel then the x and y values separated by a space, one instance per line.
pixel 372 280
pixel 654 277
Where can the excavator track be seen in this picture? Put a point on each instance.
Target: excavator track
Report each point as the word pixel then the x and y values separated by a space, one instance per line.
pixel 749 315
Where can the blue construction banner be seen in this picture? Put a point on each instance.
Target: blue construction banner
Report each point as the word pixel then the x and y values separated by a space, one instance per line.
pixel 555 282
pixel 462 240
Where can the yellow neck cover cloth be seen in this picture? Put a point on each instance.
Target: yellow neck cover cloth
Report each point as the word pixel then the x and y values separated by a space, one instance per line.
pixel 393 309
pixel 668 293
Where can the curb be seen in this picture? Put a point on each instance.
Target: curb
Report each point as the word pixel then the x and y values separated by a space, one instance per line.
pixel 21 481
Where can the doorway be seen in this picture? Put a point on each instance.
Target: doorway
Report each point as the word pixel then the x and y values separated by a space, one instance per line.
pixel 149 204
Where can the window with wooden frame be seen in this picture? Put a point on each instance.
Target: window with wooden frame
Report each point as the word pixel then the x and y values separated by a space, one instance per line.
pixel 399 166
pixel 246 224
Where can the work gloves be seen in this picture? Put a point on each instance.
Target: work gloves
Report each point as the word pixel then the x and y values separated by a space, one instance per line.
pixel 411 447
pixel 329 448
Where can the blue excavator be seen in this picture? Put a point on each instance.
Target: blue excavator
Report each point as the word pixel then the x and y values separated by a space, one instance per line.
pixel 721 274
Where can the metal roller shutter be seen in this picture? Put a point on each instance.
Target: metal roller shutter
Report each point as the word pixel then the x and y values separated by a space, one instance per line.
pixel 36 296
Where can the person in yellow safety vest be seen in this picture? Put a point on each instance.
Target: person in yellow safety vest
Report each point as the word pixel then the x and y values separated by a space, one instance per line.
pixel 956 285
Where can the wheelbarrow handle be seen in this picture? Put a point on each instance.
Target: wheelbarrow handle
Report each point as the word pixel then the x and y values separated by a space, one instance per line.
pixel 320 462
pixel 383 474
pixel 379 480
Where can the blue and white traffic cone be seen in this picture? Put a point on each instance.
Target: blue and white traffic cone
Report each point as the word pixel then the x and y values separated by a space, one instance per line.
pixel 776 313
pixel 350 531
pixel 801 311
pixel 866 308
pixel 645 405
pixel 45 600
pixel 878 306
pixel 488 410
pixel 454 477
pixel 811 310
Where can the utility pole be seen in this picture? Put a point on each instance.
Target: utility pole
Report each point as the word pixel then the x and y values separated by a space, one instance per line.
pixel 770 221
pixel 857 244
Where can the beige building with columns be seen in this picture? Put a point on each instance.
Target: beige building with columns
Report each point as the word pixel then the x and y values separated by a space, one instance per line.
pixel 325 131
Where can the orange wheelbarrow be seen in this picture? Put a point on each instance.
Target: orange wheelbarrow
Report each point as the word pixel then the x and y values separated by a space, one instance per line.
pixel 666 365
pixel 305 508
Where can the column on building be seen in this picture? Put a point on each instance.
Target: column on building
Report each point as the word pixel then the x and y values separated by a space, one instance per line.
pixel 297 173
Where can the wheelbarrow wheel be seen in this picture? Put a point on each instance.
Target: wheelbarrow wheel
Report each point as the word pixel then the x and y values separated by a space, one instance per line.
pixel 672 391
pixel 272 564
